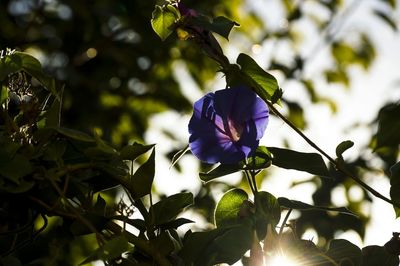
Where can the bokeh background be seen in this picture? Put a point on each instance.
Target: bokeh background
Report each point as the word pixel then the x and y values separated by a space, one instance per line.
pixel 337 62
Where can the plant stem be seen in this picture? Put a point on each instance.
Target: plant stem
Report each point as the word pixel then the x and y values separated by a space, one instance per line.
pixel 338 166
pixel 250 181
pixel 285 221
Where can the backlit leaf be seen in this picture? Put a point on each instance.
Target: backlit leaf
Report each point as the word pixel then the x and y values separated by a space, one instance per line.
pixel 263 83
pixel 227 210
pixel 163 18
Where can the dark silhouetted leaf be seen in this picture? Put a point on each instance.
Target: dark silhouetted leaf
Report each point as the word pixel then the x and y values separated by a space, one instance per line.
pixel 388 126
pixel 167 209
pixel 260 160
pixel 307 162
pixel 376 255
pixel 111 250
pixel 220 170
pixel 142 180
pixel 131 152
pixel 298 205
pixel 74 134
pixel 343 146
pixel 175 223
pixel 220 25
pixel 341 250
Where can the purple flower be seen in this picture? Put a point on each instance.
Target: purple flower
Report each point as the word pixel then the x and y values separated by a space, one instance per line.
pixel 227 125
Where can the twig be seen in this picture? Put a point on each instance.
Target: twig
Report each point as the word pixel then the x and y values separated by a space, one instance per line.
pixel 285 221
pixel 338 166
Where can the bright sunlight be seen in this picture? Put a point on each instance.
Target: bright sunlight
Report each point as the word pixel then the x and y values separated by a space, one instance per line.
pixel 282 261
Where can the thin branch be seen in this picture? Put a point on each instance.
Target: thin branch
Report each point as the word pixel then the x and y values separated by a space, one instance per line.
pixel 338 166
pixel 285 221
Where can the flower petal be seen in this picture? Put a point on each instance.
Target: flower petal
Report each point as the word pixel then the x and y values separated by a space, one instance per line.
pixel 226 126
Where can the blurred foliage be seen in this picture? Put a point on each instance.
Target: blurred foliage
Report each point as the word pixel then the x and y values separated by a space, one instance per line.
pixel 113 73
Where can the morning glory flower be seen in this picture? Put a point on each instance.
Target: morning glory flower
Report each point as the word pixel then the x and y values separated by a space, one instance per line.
pixel 227 125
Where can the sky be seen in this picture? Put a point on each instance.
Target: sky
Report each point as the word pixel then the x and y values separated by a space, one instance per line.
pixel 369 90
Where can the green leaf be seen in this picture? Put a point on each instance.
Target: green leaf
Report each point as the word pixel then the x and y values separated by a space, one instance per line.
pixel 337 76
pixel 196 244
pixel 111 250
pixel 138 223
pixel 341 251
pixel 220 25
pixel 131 152
pixel 33 67
pixel 220 170
pixel 307 162
pixel 102 151
pixel 343 53
pixel 395 186
pixel 376 255
pixel 343 146
pixel 74 134
pixel 163 18
pixel 9 64
pixel 175 223
pixel 263 83
pixel 164 243
pixel 52 115
pixel 268 212
pixel 54 150
pixel 221 245
pixel 268 207
pixel 142 180
pixel 231 246
pixel 298 205
pixel 167 209
pixel 3 94
pixel 227 210
pixel 260 160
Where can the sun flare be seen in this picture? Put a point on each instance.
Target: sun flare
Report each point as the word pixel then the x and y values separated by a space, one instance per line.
pixel 282 261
